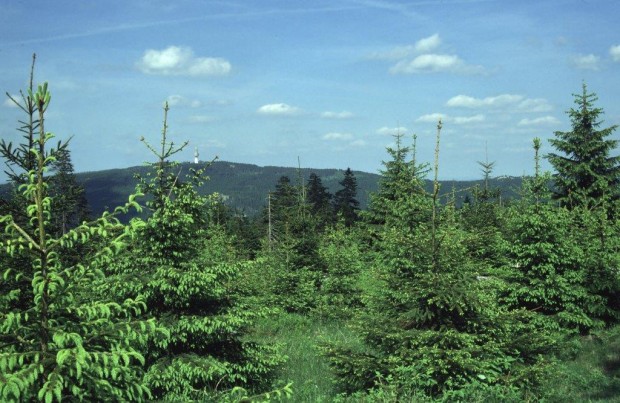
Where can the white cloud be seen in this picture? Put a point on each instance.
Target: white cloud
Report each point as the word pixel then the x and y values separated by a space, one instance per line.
pixel 337 136
pixel 429 44
pixel 391 131
pixel 176 60
pixel 586 62
pixel 209 66
pixel 428 63
pixel 422 57
pixel 541 121
pixel 424 45
pixel 535 105
pixel 179 100
pixel 279 110
pixel 358 143
pixel 614 52
pixel 463 120
pixel 337 115
pixel 435 63
pixel 175 100
pixel 431 117
pixel 465 101
pixel 511 102
pixel 457 120
pixel 9 103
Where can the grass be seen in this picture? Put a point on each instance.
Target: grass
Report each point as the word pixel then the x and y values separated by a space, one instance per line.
pixel 298 337
pixel 593 375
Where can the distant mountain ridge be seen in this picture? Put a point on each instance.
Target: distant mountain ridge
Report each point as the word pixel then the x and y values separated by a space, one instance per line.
pixel 245 187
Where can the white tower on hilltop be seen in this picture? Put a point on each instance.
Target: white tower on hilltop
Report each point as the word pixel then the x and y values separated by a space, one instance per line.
pixel 195 155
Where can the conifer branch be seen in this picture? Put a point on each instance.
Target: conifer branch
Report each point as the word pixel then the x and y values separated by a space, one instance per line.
pixel 28 238
pixel 435 193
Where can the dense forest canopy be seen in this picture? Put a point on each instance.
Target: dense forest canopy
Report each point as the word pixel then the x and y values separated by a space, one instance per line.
pixel 244 187
pixel 424 292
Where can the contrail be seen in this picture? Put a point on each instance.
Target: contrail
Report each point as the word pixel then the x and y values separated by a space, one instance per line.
pixel 151 24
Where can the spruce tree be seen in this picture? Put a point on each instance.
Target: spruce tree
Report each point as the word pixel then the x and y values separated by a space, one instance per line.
pixel 186 267
pixel 483 218
pixel 69 198
pixel 547 269
pixel 291 252
pixel 284 205
pixel 587 181
pixel 431 325
pixel 58 339
pixel 20 160
pixel 345 199
pixel 340 249
pixel 319 199
pixel 586 172
pixel 547 264
pixel 401 178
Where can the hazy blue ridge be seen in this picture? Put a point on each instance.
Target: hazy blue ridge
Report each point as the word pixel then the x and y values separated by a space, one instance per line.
pixel 245 186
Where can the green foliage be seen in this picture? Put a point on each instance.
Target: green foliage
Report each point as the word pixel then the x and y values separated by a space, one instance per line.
pixel 593 374
pixel 438 327
pixel 298 337
pixel 547 272
pixel 293 286
pixel 345 199
pixel 285 206
pixel 558 259
pixel 243 186
pixel 319 199
pixel 419 301
pixel 596 235
pixel 19 159
pixel 185 267
pixel 57 340
pixel 239 394
pixel 485 222
pixel 483 218
pixel 340 250
pixel 432 326
pixel 586 174
pixel 401 197
pixel 291 249
pixel 69 202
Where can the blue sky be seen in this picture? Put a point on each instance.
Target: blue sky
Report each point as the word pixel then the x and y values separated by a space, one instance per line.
pixel 266 82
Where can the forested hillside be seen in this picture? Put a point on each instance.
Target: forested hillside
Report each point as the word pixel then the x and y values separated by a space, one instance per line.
pixel 245 187
pixel 423 291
